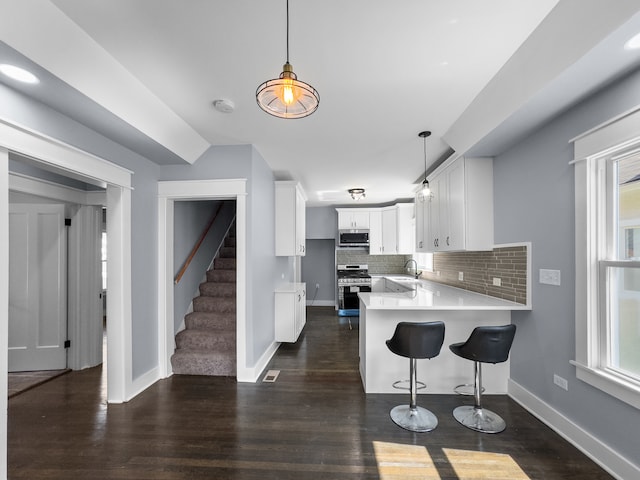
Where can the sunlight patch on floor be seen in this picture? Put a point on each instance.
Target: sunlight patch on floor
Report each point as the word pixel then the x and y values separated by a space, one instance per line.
pixel 398 461
pixel 474 465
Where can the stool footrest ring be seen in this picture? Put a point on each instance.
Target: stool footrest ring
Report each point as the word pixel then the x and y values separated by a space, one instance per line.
pixel 466 389
pixel 400 385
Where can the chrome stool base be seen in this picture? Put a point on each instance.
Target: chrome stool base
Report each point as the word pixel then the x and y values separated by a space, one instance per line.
pixel 479 419
pixel 415 419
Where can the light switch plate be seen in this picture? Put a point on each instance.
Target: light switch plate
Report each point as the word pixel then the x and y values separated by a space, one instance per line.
pixel 550 277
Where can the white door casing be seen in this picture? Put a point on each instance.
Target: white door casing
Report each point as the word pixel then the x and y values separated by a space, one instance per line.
pixel 168 193
pixel 38 287
pixel 118 180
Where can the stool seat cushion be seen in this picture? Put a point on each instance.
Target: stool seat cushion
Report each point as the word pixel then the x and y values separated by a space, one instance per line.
pixel 417 339
pixel 487 344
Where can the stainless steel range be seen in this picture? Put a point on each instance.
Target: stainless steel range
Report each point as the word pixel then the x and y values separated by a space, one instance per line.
pixel 351 280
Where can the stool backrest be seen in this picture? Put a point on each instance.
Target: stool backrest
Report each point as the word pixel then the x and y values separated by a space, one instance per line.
pixel 489 344
pixel 417 339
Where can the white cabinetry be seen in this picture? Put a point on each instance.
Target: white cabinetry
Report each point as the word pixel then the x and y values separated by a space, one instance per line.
pixel 375 232
pixel 459 212
pixel 290 311
pixel 353 218
pixel 290 219
pixel 405 232
pixel 421 222
pixel 391 231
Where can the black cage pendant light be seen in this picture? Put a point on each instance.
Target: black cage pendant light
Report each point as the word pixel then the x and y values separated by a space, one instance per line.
pixel 426 191
pixel 286 96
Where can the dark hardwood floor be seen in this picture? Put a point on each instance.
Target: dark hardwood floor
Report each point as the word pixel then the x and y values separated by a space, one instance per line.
pixel 314 422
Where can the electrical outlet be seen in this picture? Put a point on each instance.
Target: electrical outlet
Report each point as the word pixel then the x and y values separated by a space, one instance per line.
pixel 317 286
pixel 550 277
pixel 461 276
pixel 438 273
pixel 497 282
pixel 561 382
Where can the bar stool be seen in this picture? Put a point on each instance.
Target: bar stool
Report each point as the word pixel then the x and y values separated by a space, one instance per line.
pixel 415 340
pixel 487 344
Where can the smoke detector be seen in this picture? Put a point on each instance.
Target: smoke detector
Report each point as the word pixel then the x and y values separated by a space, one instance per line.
pixel 223 105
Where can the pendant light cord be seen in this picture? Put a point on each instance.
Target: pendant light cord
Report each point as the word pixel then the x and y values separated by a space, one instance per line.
pixel 424 142
pixel 287 31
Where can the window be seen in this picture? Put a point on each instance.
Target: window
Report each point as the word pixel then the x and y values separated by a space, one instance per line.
pixel 607 208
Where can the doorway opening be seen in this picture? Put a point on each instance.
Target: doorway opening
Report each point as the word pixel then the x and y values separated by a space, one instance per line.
pixel 56 311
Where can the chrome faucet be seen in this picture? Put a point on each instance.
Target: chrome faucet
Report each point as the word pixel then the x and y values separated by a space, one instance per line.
pixel 416 272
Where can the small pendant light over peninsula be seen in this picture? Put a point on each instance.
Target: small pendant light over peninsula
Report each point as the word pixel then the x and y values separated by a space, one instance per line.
pixel 286 96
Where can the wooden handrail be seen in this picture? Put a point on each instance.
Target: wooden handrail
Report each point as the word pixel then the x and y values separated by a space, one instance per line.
pixel 195 248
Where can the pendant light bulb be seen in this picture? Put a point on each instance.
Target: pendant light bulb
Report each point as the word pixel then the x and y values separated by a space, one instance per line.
pixel 426 191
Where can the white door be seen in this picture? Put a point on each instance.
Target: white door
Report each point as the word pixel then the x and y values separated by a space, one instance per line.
pixel 37 287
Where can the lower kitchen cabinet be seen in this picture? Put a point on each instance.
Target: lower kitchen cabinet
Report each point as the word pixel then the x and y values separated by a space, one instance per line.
pixel 290 311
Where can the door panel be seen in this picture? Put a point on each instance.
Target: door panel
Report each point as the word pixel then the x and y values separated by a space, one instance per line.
pixel 37 287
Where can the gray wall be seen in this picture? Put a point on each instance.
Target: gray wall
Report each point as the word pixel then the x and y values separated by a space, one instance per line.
pixel 190 220
pixel 534 201
pixel 321 222
pixel 144 245
pixel 318 267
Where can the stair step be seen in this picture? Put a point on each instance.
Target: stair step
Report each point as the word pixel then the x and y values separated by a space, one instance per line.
pixel 215 341
pixel 203 362
pixel 225 276
pixel 210 321
pixel 227 252
pixel 224 263
pixel 230 241
pixel 214 304
pixel 218 289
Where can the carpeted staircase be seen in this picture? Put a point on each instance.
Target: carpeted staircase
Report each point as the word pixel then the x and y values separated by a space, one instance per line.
pixel 207 346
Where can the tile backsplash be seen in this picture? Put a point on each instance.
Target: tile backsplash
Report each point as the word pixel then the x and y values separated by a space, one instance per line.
pixel 378 264
pixel 509 264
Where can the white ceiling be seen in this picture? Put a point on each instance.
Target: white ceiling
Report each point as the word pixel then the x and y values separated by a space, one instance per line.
pixel 477 74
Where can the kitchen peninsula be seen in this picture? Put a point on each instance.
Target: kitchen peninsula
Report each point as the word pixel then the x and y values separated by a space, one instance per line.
pixel 407 299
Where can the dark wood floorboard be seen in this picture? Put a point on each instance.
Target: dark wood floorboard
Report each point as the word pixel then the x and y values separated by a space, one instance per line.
pixel 314 422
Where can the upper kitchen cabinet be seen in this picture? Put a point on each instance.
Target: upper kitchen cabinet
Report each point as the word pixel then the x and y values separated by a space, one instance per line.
pixel 353 218
pixel 459 211
pixel 391 230
pixel 290 219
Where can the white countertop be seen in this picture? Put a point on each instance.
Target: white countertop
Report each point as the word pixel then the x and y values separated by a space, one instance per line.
pixel 426 295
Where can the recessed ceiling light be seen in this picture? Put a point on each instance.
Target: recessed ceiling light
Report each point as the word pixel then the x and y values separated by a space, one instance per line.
pixel 17 73
pixel 633 43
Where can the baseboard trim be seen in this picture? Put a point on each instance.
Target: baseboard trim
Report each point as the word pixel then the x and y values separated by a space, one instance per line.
pixel 143 382
pixel 610 460
pixel 252 374
pixel 321 303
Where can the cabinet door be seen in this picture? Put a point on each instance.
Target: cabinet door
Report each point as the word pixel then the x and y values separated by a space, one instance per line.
pixel 455 239
pixel 434 208
pixel 375 233
pixel 389 231
pixel 300 223
pixel 353 218
pixel 290 219
pixel 360 219
pixel 421 204
pixel 301 310
pixel 344 220
pixel 405 229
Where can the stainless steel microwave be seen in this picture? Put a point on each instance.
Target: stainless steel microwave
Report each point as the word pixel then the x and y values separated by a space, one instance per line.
pixel 353 238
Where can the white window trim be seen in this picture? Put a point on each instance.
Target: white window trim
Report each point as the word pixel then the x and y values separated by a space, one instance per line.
pixel 619 134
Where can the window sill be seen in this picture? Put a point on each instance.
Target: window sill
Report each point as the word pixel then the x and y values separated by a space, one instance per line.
pixel 615 386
